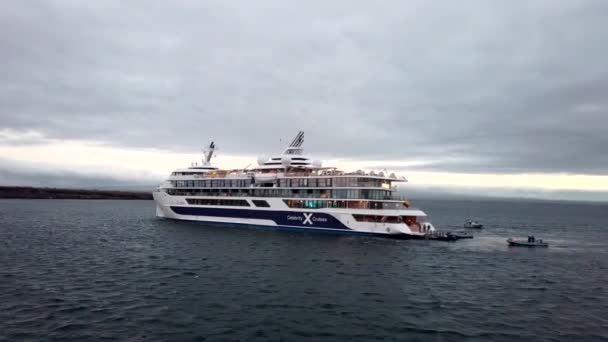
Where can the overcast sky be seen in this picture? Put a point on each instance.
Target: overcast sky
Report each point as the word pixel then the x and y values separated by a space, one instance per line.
pixel 436 87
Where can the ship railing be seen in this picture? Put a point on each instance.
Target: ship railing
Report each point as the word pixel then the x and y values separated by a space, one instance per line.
pixel 338 173
pixel 213 176
pixel 224 174
pixel 396 197
pixel 296 174
pixel 181 192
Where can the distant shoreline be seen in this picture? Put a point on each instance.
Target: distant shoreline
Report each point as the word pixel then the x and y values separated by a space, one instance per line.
pixel 29 192
pixel 25 192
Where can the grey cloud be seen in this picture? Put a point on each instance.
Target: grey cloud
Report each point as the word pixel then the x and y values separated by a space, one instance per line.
pixel 500 86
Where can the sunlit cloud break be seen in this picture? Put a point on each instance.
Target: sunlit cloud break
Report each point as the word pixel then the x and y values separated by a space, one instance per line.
pixel 149 166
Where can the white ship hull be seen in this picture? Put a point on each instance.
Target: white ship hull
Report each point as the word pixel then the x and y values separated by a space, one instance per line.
pixel 291 192
pixel 279 216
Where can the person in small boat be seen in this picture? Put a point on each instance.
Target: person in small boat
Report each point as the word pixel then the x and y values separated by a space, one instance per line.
pixel 531 239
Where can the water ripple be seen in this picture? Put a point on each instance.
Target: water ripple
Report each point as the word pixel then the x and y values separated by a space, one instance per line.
pixel 83 270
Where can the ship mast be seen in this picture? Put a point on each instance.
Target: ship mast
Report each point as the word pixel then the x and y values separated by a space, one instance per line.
pixel 296 145
pixel 208 153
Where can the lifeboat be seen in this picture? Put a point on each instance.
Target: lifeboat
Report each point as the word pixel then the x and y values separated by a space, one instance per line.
pixel 265 177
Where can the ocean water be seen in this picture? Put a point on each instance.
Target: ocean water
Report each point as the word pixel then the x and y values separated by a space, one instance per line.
pixel 75 270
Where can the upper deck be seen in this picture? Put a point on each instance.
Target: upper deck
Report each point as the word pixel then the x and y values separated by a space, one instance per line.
pixel 290 175
pixel 189 174
pixel 333 179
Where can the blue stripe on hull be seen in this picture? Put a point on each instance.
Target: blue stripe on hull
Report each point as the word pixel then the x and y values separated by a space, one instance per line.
pixel 281 218
pixel 313 230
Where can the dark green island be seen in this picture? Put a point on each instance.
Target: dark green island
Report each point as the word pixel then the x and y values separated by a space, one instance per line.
pixel 57 193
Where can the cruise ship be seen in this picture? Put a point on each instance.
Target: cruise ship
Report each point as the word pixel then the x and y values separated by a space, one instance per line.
pixel 291 192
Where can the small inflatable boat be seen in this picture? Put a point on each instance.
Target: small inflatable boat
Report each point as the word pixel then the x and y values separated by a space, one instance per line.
pixel 532 242
pixel 473 224
pixel 462 235
pixel 447 236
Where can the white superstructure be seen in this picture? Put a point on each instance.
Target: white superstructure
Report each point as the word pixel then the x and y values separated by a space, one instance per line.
pixel 293 192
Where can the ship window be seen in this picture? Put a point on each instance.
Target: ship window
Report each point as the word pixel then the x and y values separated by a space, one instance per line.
pixel 294 203
pixel 377 218
pixel 218 202
pixel 261 203
pixel 313 204
pixel 339 194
